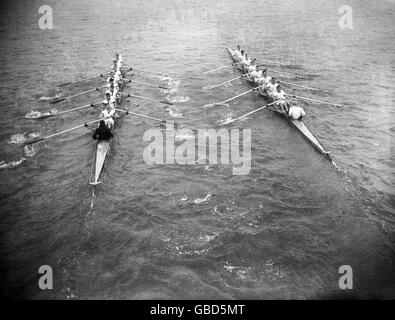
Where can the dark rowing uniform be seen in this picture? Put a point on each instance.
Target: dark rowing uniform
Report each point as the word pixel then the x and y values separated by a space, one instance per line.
pixel 102 133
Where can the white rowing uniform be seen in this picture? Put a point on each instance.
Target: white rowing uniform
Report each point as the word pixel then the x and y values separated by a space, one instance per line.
pixel 263 80
pixel 296 113
pixel 236 53
pixel 246 62
pixel 107 116
pixel 252 68
pixel 117 76
pixel 271 88
pixel 278 95
pixel 256 74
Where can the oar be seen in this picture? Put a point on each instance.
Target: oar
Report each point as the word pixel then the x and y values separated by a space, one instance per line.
pixel 287 73
pixel 76 95
pixel 145 98
pixel 274 62
pixel 220 84
pixel 140 115
pixel 299 86
pixel 69 110
pixel 146 84
pixel 84 79
pixel 313 100
pixel 224 67
pixel 235 97
pixel 251 112
pixel 102 75
pixel 61 132
pixel 149 72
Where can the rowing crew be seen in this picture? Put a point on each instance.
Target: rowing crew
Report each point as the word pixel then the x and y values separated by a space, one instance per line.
pixel 268 86
pixel 112 98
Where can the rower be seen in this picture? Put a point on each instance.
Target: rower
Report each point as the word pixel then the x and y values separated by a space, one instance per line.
pixel 246 61
pixel 107 115
pixel 106 101
pixel 111 89
pixel 279 96
pixel 270 88
pixel 237 52
pixel 252 66
pixel 117 76
pixel 114 66
pixel 296 113
pixel 263 79
pixel 110 82
pixel 102 132
pixel 257 73
pixel 241 58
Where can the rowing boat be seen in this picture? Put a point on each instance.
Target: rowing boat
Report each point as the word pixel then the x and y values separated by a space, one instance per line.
pixel 298 124
pixel 102 149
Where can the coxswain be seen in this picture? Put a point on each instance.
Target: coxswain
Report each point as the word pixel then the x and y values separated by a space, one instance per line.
pixel 102 132
pixel 296 113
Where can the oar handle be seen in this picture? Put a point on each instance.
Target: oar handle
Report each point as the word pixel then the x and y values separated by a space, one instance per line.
pixel 140 115
pixel 147 84
pixel 146 98
pixel 313 100
pixel 251 112
pixel 34 141
pixel 61 132
pixel 286 73
pixel 299 86
pixel 84 79
pixel 235 97
pixel 149 72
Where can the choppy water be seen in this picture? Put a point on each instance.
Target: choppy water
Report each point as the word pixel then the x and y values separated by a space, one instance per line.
pixel 179 231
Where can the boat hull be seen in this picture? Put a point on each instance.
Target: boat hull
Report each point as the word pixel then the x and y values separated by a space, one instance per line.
pixel 102 150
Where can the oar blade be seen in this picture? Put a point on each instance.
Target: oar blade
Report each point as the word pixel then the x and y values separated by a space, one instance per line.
pixel 56 101
pixel 63 84
pixel 28 143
